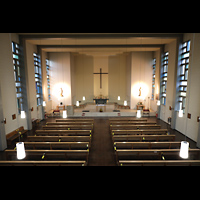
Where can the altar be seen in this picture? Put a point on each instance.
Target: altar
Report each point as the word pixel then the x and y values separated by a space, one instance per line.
pixel 100 101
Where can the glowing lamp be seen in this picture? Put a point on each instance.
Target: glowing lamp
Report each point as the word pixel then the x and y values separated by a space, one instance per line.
pixel 44 103
pixel 158 103
pixel 138 114
pixel 77 103
pixel 21 154
pixel 180 113
pixel 125 103
pixel 23 114
pixel 64 114
pixel 83 98
pixel 118 98
pixel 184 149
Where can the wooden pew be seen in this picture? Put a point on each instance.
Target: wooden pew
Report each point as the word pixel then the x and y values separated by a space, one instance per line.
pixel 132 123
pixel 128 120
pixel 57 145
pixel 133 127
pixel 50 154
pixel 15 134
pixel 59 138
pixel 147 145
pixel 75 120
pixel 154 154
pixel 68 127
pixel 42 163
pixel 159 162
pixel 141 132
pixel 70 123
pixel 63 132
pixel 140 138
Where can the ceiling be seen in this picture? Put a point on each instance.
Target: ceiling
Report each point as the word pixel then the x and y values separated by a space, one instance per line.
pixel 99 43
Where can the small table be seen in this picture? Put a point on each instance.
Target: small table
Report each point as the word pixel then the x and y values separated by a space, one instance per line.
pixel 60 107
pixel 140 106
pixel 99 106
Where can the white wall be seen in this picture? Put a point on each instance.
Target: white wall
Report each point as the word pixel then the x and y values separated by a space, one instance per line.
pixel 8 89
pixel 141 76
pixel 117 78
pixel 185 125
pixel 60 78
pixel 171 81
pixel 82 78
pixel 30 49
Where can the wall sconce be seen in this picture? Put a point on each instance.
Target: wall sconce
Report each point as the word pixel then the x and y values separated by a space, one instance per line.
pixel 118 98
pixel 23 114
pixel 83 98
pixel 180 113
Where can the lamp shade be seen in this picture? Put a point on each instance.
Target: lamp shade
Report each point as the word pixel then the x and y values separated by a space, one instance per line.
pixel 180 113
pixel 138 114
pixel 44 103
pixel 23 114
pixel 125 103
pixel 64 114
pixel 184 149
pixel 77 103
pixel 83 98
pixel 118 98
pixel 21 154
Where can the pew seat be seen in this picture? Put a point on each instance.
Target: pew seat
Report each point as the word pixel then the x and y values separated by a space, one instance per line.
pixel 140 138
pixel 42 163
pixel 59 138
pixel 140 132
pixel 147 145
pixel 63 132
pixel 50 155
pixel 57 145
pixel 159 163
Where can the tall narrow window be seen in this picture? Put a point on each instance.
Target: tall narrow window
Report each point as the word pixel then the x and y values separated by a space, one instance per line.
pixel 48 79
pixel 164 78
pixel 38 83
pixel 17 76
pixel 153 78
pixel 183 74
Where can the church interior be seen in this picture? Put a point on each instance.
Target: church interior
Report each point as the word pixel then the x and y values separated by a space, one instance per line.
pixel 99 99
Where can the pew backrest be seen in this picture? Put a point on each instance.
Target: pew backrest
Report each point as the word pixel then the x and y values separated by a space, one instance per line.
pixel 140 138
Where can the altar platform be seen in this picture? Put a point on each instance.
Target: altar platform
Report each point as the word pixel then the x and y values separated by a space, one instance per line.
pixel 109 110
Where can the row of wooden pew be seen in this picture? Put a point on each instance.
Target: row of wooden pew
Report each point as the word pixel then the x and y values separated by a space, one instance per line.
pixel 65 142
pixel 140 142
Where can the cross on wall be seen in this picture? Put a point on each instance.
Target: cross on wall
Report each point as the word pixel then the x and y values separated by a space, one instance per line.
pixel 100 76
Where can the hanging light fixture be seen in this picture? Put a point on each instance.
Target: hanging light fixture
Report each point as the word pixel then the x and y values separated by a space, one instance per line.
pixel 21 154
pixel 180 113
pixel 138 114
pixel 23 114
pixel 184 149
pixel 64 114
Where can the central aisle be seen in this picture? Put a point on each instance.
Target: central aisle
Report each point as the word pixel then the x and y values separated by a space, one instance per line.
pixel 101 152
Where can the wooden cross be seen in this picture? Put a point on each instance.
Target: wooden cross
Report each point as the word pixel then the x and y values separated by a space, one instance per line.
pixel 100 76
